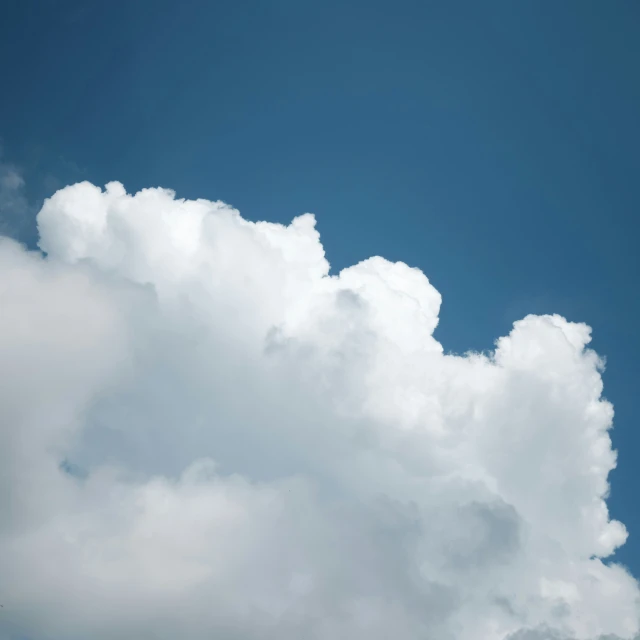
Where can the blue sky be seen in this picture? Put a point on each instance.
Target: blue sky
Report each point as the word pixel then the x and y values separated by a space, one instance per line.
pixel 494 145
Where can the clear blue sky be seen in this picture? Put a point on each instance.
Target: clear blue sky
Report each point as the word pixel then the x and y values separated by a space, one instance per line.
pixel 493 144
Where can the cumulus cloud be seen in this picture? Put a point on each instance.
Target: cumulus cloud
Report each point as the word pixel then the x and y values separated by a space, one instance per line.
pixel 204 434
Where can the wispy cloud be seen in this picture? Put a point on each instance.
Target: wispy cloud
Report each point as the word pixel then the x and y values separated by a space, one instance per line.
pixel 14 206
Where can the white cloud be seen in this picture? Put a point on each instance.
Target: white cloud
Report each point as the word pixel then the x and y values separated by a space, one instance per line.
pixel 202 435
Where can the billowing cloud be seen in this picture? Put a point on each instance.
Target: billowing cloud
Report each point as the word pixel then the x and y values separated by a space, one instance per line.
pixel 205 435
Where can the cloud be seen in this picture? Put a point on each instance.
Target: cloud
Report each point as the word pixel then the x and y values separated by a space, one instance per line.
pixel 13 203
pixel 23 189
pixel 203 434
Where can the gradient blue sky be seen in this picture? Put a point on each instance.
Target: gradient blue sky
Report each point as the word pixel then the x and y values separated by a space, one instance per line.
pixel 492 144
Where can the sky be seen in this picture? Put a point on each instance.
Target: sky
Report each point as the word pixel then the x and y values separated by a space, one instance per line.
pixel 493 146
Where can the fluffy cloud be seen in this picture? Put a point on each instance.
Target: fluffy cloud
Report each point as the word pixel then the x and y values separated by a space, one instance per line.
pixel 203 434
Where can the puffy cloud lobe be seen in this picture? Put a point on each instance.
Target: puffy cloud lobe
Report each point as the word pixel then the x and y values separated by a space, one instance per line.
pixel 204 434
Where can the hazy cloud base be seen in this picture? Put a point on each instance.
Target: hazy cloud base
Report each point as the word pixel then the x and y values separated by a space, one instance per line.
pixel 202 434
